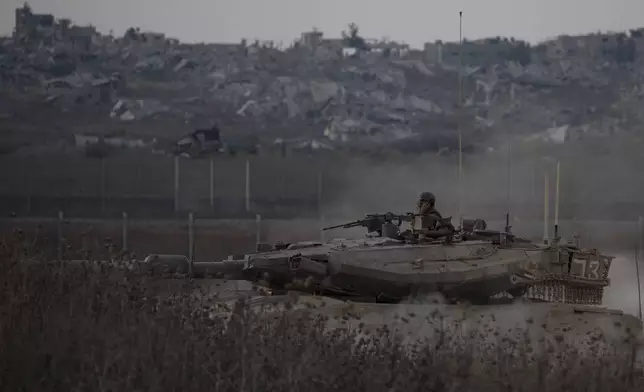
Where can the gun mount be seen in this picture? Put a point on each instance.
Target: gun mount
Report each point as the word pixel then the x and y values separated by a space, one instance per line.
pixel 385 225
pixel 388 225
pixel 473 264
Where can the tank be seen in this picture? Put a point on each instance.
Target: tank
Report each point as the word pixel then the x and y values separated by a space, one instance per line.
pixel 471 282
pixel 394 264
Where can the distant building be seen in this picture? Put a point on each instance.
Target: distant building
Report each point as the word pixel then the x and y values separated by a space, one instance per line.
pixel 591 47
pixel 484 52
pixel 29 25
pixel 82 37
pixel 433 52
pixel 588 46
pixel 44 28
pixel 311 39
pixel 331 48
pixel 389 48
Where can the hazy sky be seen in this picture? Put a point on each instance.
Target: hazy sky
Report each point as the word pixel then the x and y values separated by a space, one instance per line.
pixel 412 21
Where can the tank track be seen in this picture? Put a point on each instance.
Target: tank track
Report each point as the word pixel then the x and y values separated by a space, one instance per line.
pixel 562 291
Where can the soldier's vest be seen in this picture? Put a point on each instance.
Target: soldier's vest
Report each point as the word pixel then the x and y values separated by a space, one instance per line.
pixel 429 219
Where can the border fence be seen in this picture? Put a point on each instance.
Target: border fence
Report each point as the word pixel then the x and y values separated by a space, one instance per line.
pixel 160 186
pixel 225 187
pixel 68 238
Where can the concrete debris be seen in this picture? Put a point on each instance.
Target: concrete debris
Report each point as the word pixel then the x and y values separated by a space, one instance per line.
pixel 424 105
pixel 351 130
pixel 416 65
pixel 242 110
pixel 556 135
pixel 323 91
pixel 371 96
pixel 136 109
pixel 299 144
pixel 82 141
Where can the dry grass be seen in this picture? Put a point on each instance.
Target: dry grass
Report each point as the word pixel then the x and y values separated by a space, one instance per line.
pixel 98 330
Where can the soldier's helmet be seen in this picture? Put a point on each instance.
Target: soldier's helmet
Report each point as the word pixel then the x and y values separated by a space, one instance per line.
pixel 428 197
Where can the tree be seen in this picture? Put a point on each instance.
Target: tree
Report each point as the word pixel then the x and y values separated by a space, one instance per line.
pixel 353 38
pixel 132 33
pixel 521 52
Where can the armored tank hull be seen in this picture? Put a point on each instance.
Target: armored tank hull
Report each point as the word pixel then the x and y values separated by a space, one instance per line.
pixel 390 271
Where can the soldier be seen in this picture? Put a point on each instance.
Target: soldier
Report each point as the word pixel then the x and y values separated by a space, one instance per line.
pixel 429 215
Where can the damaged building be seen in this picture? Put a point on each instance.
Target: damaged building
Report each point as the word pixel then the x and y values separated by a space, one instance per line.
pixel 321 89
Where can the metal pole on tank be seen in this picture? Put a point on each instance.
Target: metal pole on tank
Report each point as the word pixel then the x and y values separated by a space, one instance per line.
pixel 460 106
pixel 556 236
pixel 509 181
pixel 545 208
pixel 638 255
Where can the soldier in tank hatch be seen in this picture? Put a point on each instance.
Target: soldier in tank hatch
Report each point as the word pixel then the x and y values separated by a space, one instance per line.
pixel 427 211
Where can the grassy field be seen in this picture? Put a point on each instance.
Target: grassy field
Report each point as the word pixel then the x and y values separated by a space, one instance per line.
pixel 99 330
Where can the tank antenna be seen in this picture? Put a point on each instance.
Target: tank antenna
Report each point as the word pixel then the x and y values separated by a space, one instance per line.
pixel 508 181
pixel 638 252
pixel 556 236
pixel 460 110
pixel 545 209
pixel 639 285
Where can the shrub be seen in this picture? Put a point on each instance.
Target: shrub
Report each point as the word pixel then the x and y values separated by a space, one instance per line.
pixel 102 329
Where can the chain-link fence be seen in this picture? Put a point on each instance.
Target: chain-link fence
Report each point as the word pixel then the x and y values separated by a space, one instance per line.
pixel 201 239
pixel 155 186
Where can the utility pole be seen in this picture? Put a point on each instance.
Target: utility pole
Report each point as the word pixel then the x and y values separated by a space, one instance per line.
pixel 509 175
pixel 460 113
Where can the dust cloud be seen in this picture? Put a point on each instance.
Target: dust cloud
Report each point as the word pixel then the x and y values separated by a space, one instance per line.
pixel 490 186
pixel 395 186
pixel 622 293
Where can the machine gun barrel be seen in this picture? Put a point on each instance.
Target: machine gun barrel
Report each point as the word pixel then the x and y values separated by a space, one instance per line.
pixel 376 219
pixel 349 225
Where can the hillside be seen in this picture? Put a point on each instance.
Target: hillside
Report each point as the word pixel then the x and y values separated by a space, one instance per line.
pixel 145 85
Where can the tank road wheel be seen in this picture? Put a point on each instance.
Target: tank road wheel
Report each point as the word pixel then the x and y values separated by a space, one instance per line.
pixel 425 298
pixel 518 292
pixel 436 298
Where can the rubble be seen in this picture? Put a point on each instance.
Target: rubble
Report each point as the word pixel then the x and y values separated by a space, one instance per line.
pixel 375 96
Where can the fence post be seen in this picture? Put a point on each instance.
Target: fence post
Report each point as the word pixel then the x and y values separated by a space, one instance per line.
pixel 102 179
pixel 124 232
pixel 212 183
pixel 258 230
pixel 322 239
pixel 247 192
pixel 60 236
pixel 176 184
pixel 191 239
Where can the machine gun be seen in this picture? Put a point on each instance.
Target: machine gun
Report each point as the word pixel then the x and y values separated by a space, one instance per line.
pixel 378 222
